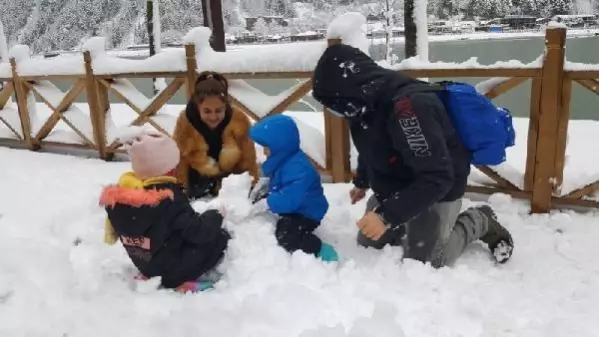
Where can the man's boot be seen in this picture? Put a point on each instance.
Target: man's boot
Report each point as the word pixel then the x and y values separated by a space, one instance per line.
pixel 498 238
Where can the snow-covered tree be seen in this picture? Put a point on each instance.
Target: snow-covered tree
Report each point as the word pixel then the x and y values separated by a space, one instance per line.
pixel 261 27
pixel 3 45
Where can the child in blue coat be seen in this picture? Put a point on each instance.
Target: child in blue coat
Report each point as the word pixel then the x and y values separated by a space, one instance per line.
pixel 294 189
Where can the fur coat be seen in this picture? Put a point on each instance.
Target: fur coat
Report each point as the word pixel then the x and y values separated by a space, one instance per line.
pixel 238 153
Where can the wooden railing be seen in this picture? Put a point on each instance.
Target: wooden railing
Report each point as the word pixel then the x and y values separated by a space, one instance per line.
pixel 549 111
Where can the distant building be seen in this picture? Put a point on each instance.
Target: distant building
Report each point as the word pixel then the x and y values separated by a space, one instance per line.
pixel 251 22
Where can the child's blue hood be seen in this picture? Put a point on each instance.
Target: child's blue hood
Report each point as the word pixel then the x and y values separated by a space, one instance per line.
pixel 280 134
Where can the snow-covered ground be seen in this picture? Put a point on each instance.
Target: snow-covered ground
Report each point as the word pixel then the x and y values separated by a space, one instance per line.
pixel 50 287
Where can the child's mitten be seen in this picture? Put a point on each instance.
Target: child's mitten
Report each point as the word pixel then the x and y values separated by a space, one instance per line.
pixel 109 233
pixel 327 253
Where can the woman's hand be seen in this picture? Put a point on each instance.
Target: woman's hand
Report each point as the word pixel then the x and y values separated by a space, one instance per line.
pixel 356 194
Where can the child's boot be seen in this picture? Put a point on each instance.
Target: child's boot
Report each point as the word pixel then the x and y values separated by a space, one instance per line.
pixel 195 286
pixel 327 253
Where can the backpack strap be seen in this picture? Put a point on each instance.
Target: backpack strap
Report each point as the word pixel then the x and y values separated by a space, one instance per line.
pixel 422 87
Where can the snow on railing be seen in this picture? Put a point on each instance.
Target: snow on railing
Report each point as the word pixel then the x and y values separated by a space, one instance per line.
pixel 62 65
pixel 472 63
pixel 297 57
pixel 172 60
pixel 577 66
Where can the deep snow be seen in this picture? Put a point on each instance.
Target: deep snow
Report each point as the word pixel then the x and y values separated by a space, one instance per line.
pixel 50 287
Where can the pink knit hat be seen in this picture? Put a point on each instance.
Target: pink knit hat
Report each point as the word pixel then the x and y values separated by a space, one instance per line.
pixel 153 154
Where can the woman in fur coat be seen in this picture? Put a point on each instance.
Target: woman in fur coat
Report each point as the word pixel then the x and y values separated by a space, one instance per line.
pixel 213 139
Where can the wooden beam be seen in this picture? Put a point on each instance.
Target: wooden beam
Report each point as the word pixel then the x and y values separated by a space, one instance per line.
pixel 498 189
pixel 583 74
pixel 21 93
pixel 192 69
pixel 533 134
pixel 159 101
pixel 79 133
pixel 11 128
pixel 562 133
pixel 483 72
pixel 590 84
pixel 584 191
pixel 269 75
pixel 244 108
pixel 551 95
pixel 121 96
pixel 69 78
pixel 68 145
pixel 301 91
pixel 505 86
pixel 98 117
pixel 64 104
pixel 555 201
pixel 149 74
pixel 504 183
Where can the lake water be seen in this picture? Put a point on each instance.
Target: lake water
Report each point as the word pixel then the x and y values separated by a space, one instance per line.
pixel 584 49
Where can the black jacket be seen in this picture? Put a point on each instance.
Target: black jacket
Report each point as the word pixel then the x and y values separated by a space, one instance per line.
pixel 161 232
pixel 409 152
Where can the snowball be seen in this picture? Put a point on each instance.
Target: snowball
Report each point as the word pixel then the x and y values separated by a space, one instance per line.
pixel 19 52
pixel 96 46
pixel 349 27
pixel 200 37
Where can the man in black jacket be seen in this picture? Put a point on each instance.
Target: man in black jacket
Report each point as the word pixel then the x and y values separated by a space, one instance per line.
pixel 411 157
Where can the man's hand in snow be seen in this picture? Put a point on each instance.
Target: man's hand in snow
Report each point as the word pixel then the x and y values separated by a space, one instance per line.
pixel 372 226
pixel 356 194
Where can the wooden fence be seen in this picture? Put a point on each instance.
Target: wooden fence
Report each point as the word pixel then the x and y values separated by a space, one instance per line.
pixel 549 115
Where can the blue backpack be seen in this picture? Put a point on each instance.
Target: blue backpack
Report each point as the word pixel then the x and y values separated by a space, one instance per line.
pixel 485 130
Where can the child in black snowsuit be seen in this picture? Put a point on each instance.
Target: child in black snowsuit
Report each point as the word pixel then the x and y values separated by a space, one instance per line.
pixel 155 222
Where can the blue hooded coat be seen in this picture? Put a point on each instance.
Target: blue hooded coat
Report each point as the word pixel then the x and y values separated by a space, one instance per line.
pixel 295 186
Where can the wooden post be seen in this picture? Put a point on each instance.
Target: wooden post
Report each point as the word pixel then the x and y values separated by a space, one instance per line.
pixel 97 115
pixel 21 93
pixel 336 142
pixel 192 69
pixel 533 132
pixel 562 132
pixel 547 143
